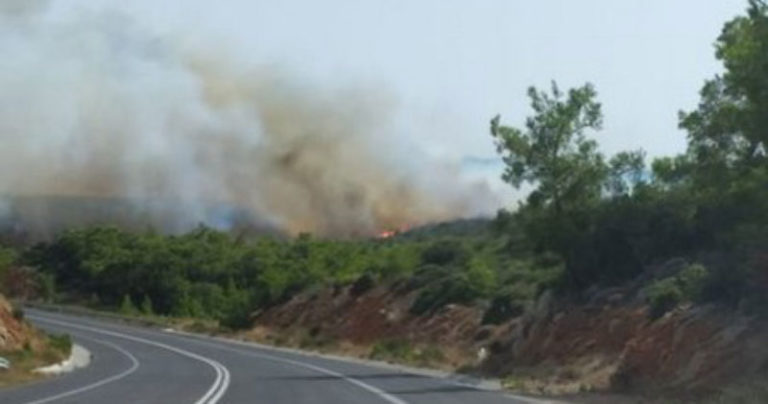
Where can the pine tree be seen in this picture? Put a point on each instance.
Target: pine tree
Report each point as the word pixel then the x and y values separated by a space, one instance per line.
pixel 127 306
pixel 146 306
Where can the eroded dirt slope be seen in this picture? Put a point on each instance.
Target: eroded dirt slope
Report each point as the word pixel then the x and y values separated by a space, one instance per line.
pixel 608 343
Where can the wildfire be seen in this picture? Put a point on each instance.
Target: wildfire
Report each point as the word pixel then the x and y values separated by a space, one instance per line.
pixel 392 233
pixel 387 234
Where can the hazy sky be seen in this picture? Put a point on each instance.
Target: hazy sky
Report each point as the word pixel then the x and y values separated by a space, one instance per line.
pixel 450 65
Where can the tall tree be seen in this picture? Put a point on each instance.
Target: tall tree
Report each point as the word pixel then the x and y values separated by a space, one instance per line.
pixel 552 152
pixel 729 129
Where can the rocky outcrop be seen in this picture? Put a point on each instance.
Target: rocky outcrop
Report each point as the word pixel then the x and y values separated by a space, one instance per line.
pixel 13 333
pixel 379 314
pixel 695 350
pixel 606 342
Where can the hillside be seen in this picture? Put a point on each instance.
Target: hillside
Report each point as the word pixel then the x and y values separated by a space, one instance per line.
pixel 609 342
pixel 14 333
pixel 614 273
pixel 26 347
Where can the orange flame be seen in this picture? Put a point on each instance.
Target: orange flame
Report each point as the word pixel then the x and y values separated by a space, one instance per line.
pixel 392 233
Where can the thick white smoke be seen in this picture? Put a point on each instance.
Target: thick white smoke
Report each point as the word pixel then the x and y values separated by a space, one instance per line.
pixel 97 109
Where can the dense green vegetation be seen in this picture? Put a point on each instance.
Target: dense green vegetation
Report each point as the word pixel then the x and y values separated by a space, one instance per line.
pixel 609 219
pixel 212 274
pixel 589 220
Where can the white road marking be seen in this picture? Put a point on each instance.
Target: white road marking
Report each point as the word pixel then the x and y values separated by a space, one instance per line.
pixel 365 386
pixel 223 343
pixel 214 393
pixel 135 364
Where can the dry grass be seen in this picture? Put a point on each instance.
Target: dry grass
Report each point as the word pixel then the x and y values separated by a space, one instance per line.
pixel 24 361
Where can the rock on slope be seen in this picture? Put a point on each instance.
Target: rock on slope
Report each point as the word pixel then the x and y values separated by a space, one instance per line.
pixel 13 332
pixel 609 343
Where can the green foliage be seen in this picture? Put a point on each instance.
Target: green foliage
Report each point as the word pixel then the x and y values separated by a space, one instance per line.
pixel 570 211
pixel 444 252
pixel 61 343
pixel 127 307
pixel 7 257
pixel 47 284
pixel 552 152
pixel 314 339
pixel 510 302
pixel 211 275
pixel 626 170
pixel 392 348
pixel 400 350
pixel 663 295
pixel 692 280
pixel 502 308
pixel 589 220
pixel 146 306
pixel 363 284
pixel 454 289
pixel 727 131
pixel 609 221
pixel 687 286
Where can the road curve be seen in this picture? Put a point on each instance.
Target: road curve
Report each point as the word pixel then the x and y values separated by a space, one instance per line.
pixel 141 365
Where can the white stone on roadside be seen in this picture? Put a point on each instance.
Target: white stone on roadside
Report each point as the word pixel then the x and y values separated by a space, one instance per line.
pixel 78 358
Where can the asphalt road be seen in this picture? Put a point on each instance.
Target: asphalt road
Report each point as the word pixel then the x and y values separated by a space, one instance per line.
pixel 139 365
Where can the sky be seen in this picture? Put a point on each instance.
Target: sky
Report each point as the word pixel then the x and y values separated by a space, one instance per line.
pixel 448 66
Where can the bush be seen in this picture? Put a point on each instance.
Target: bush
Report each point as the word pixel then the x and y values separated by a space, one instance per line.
pixel 362 285
pixel 503 308
pixel 47 286
pixel 663 295
pixel 391 349
pixel 689 285
pixel 692 281
pixel 237 318
pixel 401 350
pixel 146 306
pixel 61 343
pixel 444 252
pixel 455 289
pixel 127 307
pixel 315 339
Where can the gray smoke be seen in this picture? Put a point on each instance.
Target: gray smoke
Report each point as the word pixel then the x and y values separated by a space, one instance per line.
pixel 97 109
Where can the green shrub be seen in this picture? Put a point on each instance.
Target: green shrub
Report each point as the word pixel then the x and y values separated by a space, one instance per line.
pixel 663 295
pixel 47 285
pixel 398 349
pixel 692 281
pixel 315 339
pixel 688 285
pixel 455 289
pixel 445 252
pixel 61 343
pixel 502 308
pixel 237 318
pixel 127 307
pixel 146 306
pixel 430 354
pixel 363 284
pixel 401 350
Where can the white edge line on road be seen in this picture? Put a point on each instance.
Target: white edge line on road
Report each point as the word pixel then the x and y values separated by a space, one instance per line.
pixel 134 366
pixel 214 393
pixel 371 389
pixel 224 342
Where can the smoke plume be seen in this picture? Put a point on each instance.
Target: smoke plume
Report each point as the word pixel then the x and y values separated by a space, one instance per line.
pixel 96 111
